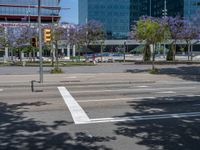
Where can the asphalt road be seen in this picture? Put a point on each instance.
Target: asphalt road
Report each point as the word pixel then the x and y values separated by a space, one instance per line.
pixel 103 115
pixel 100 68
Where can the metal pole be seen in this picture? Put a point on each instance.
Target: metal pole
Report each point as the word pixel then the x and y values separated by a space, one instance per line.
pixel 150 8
pixel 165 15
pixel 40 41
pixel 125 51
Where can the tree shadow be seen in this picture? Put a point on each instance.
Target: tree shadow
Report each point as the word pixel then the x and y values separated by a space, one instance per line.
pixel 163 134
pixel 20 132
pixel 136 70
pixel 191 73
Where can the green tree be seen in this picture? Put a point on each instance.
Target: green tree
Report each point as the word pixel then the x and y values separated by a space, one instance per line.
pixel 151 31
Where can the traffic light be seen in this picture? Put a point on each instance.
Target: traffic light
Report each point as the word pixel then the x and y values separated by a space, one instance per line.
pixel 34 42
pixel 47 35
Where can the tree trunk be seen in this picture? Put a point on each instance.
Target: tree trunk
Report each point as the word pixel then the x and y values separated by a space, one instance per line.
pixel 146 53
pixel 52 58
pixel 56 55
pixel 33 55
pixel 12 55
pixel 20 56
pixel 101 53
pixel 174 51
pixel 188 51
pixel 153 57
pixel 191 52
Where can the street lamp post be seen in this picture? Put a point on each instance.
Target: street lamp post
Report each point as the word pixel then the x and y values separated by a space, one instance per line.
pixel 164 15
pixel 124 51
pixel 150 8
pixel 40 41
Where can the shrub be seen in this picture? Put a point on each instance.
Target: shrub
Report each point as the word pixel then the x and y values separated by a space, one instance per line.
pixel 56 71
pixel 153 71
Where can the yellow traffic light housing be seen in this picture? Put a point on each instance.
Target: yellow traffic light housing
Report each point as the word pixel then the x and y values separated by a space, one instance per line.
pixel 47 35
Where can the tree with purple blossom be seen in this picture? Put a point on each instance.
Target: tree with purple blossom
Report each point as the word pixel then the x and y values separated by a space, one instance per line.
pixel 90 33
pixel 175 25
pixel 189 32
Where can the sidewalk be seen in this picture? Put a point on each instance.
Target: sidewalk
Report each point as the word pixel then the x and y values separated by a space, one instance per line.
pixel 82 79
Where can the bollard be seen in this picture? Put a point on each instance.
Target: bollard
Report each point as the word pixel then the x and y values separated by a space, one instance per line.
pixel 32 85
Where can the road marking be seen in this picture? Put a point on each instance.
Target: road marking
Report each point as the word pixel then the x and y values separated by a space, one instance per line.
pixel 1 90
pixel 80 117
pixel 143 118
pixel 193 95
pixel 73 77
pixel 144 86
pixel 166 92
pixel 131 98
pixel 78 114
pixel 115 99
pixel 118 90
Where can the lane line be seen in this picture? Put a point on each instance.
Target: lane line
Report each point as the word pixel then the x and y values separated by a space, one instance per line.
pixel 166 92
pixel 131 98
pixel 118 90
pixel 78 114
pixel 117 99
pixel 142 86
pixel 73 77
pixel 143 118
pixel 1 90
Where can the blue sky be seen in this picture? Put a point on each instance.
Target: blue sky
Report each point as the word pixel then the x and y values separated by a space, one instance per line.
pixel 70 15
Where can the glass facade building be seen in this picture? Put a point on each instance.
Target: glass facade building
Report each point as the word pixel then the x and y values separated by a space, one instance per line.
pixel 113 14
pixel 118 16
pixel 27 10
pixel 192 11
pixel 174 7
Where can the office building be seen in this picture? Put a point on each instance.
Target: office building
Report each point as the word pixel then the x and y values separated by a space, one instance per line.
pixel 113 14
pixel 118 16
pixel 27 10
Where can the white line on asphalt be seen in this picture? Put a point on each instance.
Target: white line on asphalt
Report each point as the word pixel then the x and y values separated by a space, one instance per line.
pixel 192 95
pixel 73 77
pixel 78 114
pixel 130 98
pixel 1 90
pixel 166 92
pixel 142 118
pixel 115 99
pixel 118 90
pixel 144 86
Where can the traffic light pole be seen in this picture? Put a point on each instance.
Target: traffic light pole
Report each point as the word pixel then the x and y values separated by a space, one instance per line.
pixel 40 41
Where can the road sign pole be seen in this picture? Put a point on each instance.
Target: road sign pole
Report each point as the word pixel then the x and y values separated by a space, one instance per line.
pixel 40 41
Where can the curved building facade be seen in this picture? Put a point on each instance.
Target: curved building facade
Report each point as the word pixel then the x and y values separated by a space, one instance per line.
pixel 27 10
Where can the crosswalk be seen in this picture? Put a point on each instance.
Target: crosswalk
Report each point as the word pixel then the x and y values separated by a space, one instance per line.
pixel 104 99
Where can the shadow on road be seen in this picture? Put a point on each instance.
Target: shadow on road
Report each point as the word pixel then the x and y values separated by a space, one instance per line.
pixel 191 73
pixel 20 132
pixel 163 134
